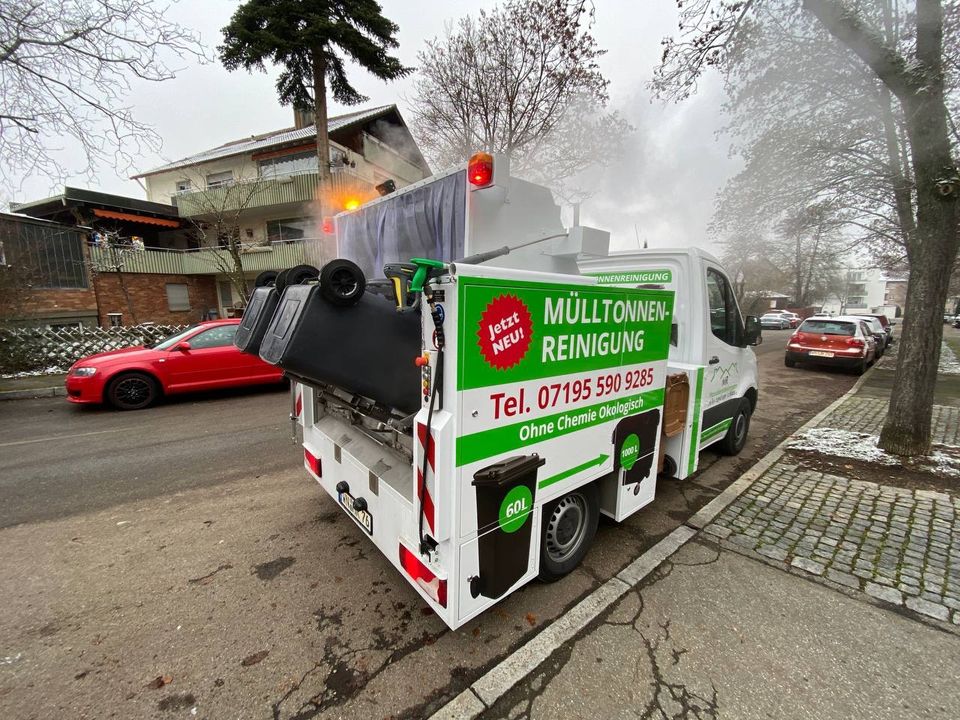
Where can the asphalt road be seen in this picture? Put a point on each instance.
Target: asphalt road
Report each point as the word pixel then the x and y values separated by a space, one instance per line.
pixel 179 558
pixel 58 459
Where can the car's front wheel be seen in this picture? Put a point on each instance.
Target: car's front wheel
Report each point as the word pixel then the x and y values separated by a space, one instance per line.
pixel 132 391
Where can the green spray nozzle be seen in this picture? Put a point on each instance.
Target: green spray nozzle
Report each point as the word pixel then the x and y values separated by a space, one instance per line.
pixel 420 275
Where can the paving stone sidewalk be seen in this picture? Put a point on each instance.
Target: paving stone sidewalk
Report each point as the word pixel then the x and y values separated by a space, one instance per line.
pixel 897 545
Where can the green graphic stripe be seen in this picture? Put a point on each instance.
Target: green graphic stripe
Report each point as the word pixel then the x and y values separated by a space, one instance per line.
pixel 695 434
pixel 712 432
pixel 547 482
pixel 488 443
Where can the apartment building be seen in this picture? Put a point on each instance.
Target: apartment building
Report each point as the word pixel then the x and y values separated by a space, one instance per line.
pixel 165 259
pixel 266 189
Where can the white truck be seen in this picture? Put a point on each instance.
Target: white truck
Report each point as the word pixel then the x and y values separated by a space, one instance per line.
pixel 477 410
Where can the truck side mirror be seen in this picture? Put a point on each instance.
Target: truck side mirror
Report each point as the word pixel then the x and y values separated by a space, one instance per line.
pixel 752 335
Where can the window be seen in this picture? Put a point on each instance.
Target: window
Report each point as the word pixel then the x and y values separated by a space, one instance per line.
pixel 301 162
pixel 183 186
pixel 293 229
pixel 724 316
pixel 45 255
pixel 828 327
pixel 178 297
pixel 220 179
pixel 226 293
pixel 214 337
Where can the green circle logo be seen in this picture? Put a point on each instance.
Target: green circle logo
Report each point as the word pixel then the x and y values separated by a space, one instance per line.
pixel 515 509
pixel 629 452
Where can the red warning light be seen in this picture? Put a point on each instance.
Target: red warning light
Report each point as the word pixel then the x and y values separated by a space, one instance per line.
pixel 480 169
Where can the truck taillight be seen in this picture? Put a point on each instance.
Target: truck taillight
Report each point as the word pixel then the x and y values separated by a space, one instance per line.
pixel 328 225
pixel 313 462
pixel 480 169
pixel 421 575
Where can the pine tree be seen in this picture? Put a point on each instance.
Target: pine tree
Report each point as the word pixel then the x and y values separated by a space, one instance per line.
pixel 310 40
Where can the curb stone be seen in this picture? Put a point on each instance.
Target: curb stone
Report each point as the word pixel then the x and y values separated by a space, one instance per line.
pixel 34 393
pixel 524 660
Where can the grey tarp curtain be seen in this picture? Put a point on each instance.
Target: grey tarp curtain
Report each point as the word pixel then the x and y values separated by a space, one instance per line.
pixel 426 222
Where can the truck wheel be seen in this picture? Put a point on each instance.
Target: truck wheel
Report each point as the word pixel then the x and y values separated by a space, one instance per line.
pixel 736 436
pixel 342 282
pixel 132 391
pixel 568 526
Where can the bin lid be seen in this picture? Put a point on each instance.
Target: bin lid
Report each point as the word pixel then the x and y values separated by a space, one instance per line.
pixel 507 471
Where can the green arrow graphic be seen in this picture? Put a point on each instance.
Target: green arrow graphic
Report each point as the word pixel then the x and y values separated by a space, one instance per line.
pixel 547 482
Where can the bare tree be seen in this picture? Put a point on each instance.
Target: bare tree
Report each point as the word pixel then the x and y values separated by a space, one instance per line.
pixel 910 65
pixel 216 216
pixel 117 251
pixel 523 80
pixel 66 68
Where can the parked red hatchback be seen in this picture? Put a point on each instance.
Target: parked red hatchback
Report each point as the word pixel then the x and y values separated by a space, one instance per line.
pixel 202 357
pixel 840 341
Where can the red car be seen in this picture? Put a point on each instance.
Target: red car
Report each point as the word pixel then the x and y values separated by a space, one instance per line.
pixel 202 357
pixel 843 341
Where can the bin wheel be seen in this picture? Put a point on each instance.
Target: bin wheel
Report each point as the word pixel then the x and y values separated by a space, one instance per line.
pixel 736 436
pixel 342 282
pixel 280 281
pixel 567 530
pixel 265 278
pixel 300 274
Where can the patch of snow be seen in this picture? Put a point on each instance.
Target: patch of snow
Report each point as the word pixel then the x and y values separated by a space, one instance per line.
pixel 942 463
pixel 863 447
pixel 842 443
pixel 53 370
pixel 949 365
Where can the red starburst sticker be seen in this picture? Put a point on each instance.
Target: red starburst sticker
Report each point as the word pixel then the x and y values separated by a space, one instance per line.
pixel 505 332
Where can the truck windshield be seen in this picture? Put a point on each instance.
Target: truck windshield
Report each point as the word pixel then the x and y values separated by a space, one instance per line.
pixel 828 327
pixel 427 221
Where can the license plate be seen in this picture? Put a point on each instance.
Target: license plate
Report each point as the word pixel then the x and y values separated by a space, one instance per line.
pixel 361 516
pixel 820 353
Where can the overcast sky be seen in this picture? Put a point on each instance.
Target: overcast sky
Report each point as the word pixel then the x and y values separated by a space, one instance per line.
pixel 662 190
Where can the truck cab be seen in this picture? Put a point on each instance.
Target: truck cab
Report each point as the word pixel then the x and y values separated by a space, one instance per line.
pixel 710 343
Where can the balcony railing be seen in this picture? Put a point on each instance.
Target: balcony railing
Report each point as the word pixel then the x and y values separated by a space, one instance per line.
pixel 200 261
pixel 250 193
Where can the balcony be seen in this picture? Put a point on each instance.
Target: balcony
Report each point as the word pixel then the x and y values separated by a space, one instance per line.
pixel 249 194
pixel 202 261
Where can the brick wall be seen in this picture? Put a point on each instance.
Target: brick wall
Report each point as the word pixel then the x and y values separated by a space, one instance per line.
pixel 148 295
pixel 37 305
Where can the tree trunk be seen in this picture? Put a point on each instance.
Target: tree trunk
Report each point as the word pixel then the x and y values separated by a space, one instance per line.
pixel 931 251
pixel 320 113
pixel 932 247
pixel 126 296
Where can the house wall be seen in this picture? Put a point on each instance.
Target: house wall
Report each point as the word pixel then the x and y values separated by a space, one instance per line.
pixel 376 163
pixel 148 295
pixel 44 306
